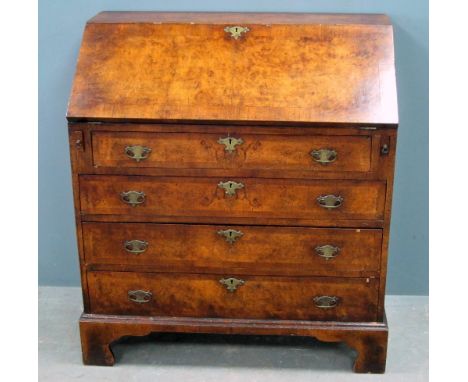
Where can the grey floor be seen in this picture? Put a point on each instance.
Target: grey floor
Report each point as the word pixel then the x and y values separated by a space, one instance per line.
pixel 171 357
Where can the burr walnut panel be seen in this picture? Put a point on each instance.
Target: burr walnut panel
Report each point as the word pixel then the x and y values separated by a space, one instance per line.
pixel 304 72
pixel 276 198
pixel 230 248
pixel 217 151
pixel 192 295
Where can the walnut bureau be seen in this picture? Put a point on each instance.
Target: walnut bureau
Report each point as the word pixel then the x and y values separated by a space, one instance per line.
pixel 233 174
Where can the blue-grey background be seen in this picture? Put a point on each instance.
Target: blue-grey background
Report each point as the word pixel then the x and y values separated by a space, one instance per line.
pixel 60 28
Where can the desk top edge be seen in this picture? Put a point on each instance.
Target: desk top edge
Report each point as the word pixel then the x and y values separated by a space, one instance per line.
pixel 109 17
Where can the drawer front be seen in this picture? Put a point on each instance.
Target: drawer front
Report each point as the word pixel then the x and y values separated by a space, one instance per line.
pixel 247 197
pixel 189 295
pixel 242 249
pixel 217 151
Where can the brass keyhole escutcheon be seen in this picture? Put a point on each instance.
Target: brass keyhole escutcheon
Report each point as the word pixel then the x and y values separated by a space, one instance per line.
pixel 230 187
pixel 230 235
pixel 236 31
pixel 384 150
pixel 230 143
pixel 231 283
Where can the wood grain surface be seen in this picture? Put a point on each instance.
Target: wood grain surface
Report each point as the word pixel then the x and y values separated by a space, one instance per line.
pixel 189 150
pixel 259 249
pixel 195 295
pixel 275 198
pixel 316 71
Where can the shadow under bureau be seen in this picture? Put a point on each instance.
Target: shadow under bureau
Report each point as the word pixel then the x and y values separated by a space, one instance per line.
pixel 233 173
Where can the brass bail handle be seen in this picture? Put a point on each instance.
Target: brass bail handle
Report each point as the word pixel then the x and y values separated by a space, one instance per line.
pixel 133 198
pixel 324 156
pixel 326 302
pixel 327 251
pixel 135 246
pixel 330 201
pixel 137 153
pixel 140 296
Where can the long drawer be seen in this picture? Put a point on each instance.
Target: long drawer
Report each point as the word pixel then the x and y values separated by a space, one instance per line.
pixel 246 197
pixel 218 151
pixel 195 295
pixel 241 249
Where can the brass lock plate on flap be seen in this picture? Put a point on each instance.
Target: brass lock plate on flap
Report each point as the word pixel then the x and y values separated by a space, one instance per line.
pixel 236 31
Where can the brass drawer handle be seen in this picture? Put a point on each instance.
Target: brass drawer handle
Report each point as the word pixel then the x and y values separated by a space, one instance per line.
pixel 230 235
pixel 140 296
pixel 133 197
pixel 330 201
pixel 324 156
pixel 137 152
pixel 230 143
pixel 230 187
pixel 135 246
pixel 326 302
pixel 231 283
pixel 327 251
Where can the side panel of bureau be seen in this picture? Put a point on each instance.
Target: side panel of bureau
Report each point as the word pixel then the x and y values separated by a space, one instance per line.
pixel 193 295
pixel 229 248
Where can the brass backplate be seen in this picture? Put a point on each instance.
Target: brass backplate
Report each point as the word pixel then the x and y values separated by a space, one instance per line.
pixel 140 296
pixel 326 302
pixel 133 197
pixel 327 251
pixel 324 156
pixel 137 153
pixel 330 201
pixel 135 246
